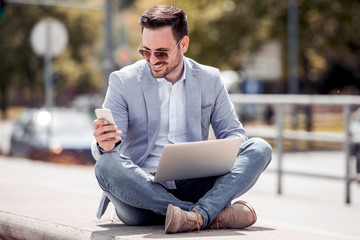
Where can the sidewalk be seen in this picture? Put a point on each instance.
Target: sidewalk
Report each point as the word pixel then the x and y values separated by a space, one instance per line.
pixel 49 201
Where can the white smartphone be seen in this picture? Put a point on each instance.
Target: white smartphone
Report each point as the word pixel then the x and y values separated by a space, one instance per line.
pixel 105 114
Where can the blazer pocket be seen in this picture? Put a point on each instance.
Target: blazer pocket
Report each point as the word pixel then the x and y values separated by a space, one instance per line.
pixel 206 115
pixel 206 107
pixel 206 111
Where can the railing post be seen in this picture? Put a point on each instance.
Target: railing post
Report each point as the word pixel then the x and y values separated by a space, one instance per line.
pixel 279 143
pixel 347 143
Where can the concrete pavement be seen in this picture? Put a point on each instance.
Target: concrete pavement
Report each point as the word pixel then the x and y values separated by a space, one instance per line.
pixel 50 201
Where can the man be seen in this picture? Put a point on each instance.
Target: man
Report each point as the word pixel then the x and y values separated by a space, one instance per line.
pixel 168 98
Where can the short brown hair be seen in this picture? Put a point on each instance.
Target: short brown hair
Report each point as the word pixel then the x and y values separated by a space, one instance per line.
pixel 161 16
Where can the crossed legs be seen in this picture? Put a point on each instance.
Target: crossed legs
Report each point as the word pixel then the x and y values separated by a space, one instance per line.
pixel 139 201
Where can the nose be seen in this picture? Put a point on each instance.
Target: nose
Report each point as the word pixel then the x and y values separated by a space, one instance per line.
pixel 153 59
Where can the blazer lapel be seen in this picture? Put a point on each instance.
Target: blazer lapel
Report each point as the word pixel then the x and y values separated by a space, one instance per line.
pixel 151 94
pixel 193 103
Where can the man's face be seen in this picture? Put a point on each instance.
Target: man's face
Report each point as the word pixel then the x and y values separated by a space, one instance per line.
pixel 162 39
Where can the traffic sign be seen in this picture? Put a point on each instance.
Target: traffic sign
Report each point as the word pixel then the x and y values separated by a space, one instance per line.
pixel 49 37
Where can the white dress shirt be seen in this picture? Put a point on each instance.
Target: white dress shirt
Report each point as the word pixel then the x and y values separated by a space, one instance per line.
pixel 173 118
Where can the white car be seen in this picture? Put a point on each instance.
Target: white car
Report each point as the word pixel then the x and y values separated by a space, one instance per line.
pixel 57 135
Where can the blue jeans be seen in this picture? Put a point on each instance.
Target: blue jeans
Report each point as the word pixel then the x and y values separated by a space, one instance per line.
pixel 139 201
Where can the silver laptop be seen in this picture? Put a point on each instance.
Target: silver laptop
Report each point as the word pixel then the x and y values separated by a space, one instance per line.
pixel 197 159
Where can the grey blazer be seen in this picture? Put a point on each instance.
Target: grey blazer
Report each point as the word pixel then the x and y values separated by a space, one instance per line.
pixel 133 98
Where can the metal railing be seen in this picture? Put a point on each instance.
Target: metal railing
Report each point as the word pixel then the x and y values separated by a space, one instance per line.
pixel 279 101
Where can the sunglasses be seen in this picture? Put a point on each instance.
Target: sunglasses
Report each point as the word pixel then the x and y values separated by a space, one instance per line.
pixel 161 55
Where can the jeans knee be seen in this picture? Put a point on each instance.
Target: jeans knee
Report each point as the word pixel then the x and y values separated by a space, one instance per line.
pixel 104 166
pixel 263 146
pixel 263 149
pixel 100 166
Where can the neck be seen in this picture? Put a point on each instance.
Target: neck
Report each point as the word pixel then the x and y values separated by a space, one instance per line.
pixel 176 74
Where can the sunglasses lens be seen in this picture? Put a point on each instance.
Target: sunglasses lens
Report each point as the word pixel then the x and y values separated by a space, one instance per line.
pixel 144 53
pixel 161 55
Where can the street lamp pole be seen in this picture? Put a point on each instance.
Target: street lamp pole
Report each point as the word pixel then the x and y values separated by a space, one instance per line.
pixel 293 80
pixel 292 29
pixel 108 62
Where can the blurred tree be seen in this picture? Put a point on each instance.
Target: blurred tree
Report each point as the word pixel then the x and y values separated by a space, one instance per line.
pixel 222 32
pixel 330 33
pixel 2 8
pixel 227 30
pixel 124 4
pixel 77 68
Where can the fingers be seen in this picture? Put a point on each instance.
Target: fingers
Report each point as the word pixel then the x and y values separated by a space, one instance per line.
pixel 106 134
pixel 99 123
pixel 109 144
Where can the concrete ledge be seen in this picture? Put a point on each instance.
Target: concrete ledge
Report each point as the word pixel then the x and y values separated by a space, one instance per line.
pixel 13 226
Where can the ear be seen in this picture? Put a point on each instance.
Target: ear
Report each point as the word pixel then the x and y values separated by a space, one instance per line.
pixel 184 44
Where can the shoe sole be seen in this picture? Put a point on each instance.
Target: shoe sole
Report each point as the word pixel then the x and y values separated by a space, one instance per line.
pixel 252 210
pixel 169 221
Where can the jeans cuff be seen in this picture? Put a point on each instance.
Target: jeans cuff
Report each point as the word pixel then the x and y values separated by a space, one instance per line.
pixel 204 215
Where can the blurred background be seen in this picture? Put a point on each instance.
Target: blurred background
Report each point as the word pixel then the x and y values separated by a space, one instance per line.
pixel 292 68
pixel 302 47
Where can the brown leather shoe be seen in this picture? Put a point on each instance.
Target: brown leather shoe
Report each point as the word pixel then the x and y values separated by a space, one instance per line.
pixel 238 215
pixel 178 220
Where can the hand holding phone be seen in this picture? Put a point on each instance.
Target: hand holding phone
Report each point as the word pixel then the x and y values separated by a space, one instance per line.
pixel 106 135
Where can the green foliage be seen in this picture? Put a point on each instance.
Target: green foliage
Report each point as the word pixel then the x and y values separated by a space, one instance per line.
pixel 226 29
pixel 223 31
pixel 77 68
pixel 123 4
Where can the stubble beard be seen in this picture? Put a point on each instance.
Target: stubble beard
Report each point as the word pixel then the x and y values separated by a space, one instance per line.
pixel 167 69
pixel 162 73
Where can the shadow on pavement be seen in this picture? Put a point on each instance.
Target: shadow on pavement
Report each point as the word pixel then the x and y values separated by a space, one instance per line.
pixel 157 231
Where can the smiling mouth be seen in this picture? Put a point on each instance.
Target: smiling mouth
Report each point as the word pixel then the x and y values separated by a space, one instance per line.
pixel 158 66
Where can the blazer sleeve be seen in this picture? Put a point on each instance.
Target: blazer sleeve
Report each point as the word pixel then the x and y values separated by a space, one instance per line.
pixel 115 100
pixel 224 120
